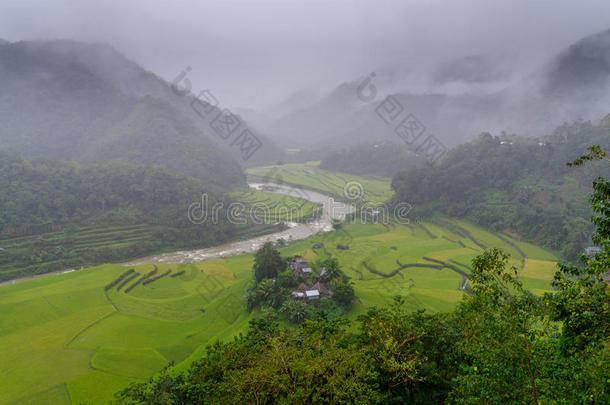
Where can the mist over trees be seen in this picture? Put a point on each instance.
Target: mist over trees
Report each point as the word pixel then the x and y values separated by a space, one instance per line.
pixel 382 159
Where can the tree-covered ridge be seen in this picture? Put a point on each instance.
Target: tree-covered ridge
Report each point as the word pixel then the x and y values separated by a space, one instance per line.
pixel 55 105
pixel 39 191
pixel 514 184
pixel 381 158
pixel 55 214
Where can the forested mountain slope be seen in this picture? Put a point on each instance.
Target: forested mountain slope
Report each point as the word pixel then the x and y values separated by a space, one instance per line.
pixel 514 184
pixel 55 214
pixel 381 159
pixel 74 101
pixel 109 65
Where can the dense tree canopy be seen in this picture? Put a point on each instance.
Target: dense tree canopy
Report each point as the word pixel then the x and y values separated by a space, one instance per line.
pixel 514 184
pixel 268 262
pixel 50 212
pixel 382 159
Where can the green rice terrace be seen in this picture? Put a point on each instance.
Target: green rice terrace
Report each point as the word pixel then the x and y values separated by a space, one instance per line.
pixel 81 336
pixel 266 207
pixel 81 241
pixel 374 189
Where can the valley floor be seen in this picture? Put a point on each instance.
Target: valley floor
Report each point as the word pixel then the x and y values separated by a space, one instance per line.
pixel 80 337
pixel 64 339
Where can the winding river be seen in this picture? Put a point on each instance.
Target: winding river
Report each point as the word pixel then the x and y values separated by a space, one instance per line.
pixel 330 210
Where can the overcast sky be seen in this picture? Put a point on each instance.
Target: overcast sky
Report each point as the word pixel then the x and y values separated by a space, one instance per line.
pixel 255 52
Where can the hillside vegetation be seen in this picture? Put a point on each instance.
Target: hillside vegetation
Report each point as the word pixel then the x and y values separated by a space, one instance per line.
pixel 55 215
pixel 381 159
pixel 517 185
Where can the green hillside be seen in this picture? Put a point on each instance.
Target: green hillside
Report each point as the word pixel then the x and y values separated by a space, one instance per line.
pixel 516 185
pixel 55 215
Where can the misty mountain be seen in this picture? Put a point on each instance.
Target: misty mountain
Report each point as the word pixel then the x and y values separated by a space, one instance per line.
pixel 341 118
pixel 583 67
pixel 325 119
pixel 89 103
pixel 460 99
pixel 470 69
pixel 296 101
pixel 114 68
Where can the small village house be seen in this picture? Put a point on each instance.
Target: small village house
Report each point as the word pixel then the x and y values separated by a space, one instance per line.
pixel 591 251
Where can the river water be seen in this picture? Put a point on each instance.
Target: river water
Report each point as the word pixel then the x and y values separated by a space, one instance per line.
pixel 330 210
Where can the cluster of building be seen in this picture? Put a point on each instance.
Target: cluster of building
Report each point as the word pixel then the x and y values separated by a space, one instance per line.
pixel 306 291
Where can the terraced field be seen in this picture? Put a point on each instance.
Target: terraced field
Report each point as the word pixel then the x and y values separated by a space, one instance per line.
pixel 79 241
pixel 24 255
pixel 263 206
pixel 375 190
pixel 35 254
pixel 428 263
pixel 80 337
pixel 68 339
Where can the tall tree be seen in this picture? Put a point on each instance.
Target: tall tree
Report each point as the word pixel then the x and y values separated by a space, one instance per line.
pixel 268 262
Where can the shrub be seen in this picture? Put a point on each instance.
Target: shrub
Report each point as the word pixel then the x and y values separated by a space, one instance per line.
pixel 145 277
pixel 127 280
pixel 118 280
pixel 151 280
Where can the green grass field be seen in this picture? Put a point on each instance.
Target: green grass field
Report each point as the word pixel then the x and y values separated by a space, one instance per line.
pixel 64 339
pixel 272 207
pixel 376 190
